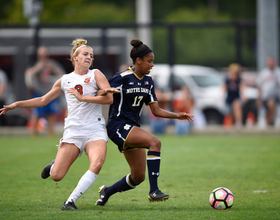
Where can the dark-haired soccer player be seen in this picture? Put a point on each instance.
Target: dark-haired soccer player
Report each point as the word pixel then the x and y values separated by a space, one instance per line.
pixel 136 88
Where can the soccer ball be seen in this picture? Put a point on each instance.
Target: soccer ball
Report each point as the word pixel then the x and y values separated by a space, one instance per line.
pixel 221 198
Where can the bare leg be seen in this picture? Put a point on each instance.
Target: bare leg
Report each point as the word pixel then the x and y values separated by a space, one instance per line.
pixel 270 111
pixel 66 155
pixel 137 163
pixel 51 122
pixel 35 122
pixel 96 152
pixel 237 112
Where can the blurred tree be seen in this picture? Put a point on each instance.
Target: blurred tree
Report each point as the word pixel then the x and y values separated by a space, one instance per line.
pixel 4 9
pixel 124 10
pixel 209 46
pixel 85 11
pixel 65 11
pixel 12 11
pixel 236 9
pixel 203 46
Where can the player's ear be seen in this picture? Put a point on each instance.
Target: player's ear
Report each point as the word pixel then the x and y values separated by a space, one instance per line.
pixel 138 60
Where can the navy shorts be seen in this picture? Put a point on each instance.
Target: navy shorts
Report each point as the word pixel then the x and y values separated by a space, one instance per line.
pixel 49 109
pixel 118 133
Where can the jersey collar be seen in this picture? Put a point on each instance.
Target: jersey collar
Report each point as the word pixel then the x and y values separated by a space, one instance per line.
pixel 135 74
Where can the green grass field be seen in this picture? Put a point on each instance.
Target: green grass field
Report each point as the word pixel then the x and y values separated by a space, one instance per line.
pixel 191 168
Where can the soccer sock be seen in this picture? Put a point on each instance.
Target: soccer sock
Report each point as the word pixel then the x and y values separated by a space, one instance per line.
pixel 51 169
pixel 153 163
pixel 85 182
pixel 126 183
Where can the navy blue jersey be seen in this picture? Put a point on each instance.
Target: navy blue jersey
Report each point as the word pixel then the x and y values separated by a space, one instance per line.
pixel 233 91
pixel 134 92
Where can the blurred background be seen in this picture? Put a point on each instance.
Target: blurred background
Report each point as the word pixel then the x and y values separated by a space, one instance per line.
pixel 194 43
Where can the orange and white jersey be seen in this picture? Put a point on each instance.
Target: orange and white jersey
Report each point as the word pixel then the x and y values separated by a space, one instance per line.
pixel 81 115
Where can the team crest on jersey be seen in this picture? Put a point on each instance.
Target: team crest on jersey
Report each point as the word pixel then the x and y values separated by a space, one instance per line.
pixel 127 127
pixel 87 80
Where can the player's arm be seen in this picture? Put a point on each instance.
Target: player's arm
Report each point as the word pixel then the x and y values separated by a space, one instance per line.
pixel 105 95
pixel 54 93
pixel 159 112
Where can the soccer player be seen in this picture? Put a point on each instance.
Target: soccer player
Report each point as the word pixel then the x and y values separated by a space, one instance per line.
pixel 136 88
pixel 84 126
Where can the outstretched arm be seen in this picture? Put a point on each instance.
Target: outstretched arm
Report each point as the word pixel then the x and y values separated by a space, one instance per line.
pixel 54 93
pixel 104 95
pixel 159 112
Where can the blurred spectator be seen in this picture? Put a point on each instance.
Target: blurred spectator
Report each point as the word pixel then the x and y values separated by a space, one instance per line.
pixel 158 125
pixel 3 85
pixel 268 83
pixel 234 88
pixel 123 67
pixel 183 102
pixel 40 79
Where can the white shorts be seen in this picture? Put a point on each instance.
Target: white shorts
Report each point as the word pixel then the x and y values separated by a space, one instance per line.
pixel 81 137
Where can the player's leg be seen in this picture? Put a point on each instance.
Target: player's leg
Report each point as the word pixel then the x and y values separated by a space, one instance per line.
pixel 139 138
pixel 137 162
pixel 96 152
pixel 66 155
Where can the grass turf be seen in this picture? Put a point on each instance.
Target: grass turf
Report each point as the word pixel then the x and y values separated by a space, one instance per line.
pixel 191 168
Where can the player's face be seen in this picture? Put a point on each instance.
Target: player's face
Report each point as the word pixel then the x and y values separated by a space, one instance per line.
pixel 147 63
pixel 85 57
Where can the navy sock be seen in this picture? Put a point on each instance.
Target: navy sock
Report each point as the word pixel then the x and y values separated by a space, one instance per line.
pixel 153 163
pixel 126 183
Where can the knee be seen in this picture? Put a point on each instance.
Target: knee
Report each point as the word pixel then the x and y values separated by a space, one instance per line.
pixel 138 178
pixel 56 176
pixel 96 166
pixel 155 144
pixel 270 103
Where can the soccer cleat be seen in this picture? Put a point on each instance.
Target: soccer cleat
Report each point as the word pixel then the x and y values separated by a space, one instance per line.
pixel 69 206
pixel 102 196
pixel 157 196
pixel 46 171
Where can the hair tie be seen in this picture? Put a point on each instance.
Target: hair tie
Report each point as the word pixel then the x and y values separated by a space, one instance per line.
pixel 78 48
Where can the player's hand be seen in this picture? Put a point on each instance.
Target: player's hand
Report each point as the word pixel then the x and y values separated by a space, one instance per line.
pixel 103 92
pixel 7 108
pixel 185 116
pixel 74 92
pixel 111 90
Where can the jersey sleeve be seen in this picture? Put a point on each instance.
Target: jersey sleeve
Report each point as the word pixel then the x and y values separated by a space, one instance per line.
pixel 116 81
pixel 63 78
pixel 152 96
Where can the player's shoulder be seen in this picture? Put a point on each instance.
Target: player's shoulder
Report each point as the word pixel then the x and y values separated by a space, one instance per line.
pixel 149 76
pixel 121 75
pixel 67 75
pixel 126 73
